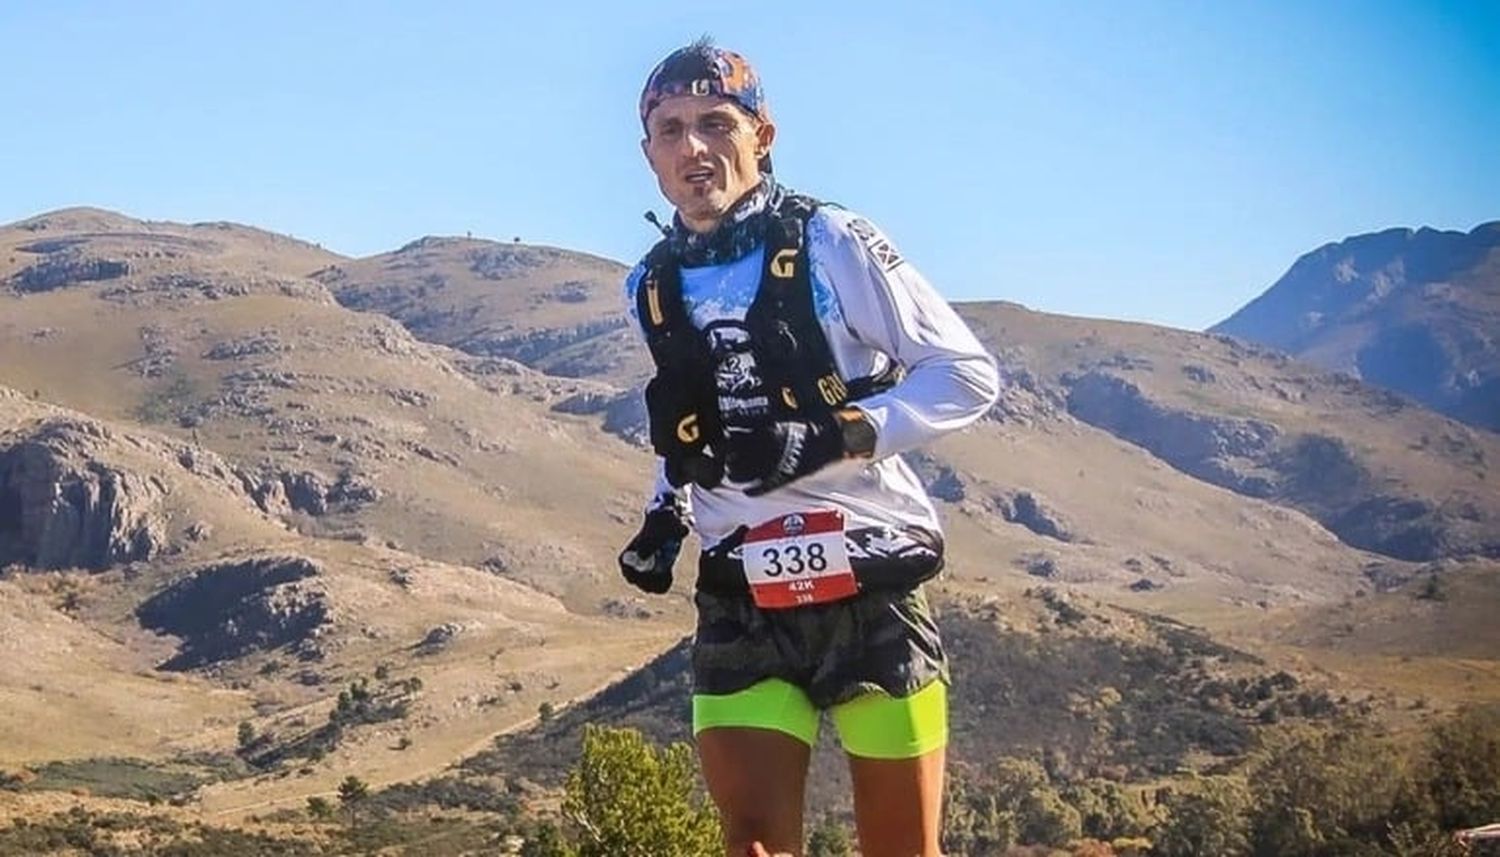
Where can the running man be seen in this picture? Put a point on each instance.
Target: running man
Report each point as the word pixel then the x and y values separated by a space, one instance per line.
pixel 798 353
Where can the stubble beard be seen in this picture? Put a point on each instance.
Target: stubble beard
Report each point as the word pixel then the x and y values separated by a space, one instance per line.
pixel 704 203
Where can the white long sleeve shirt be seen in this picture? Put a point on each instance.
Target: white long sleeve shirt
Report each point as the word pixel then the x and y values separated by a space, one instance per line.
pixel 874 308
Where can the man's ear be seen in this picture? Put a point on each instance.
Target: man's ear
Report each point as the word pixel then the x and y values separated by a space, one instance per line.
pixel 765 135
pixel 645 148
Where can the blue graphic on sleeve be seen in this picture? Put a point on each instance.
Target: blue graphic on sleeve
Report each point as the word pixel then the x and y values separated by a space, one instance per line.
pixel 632 285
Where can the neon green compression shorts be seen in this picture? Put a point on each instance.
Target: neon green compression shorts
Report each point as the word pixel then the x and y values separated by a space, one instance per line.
pixel 874 662
pixel 873 725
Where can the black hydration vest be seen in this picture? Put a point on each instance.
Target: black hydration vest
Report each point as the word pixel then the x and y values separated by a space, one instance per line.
pixel 801 380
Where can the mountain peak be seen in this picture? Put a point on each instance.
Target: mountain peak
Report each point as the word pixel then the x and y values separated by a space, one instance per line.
pixel 76 219
pixel 1404 308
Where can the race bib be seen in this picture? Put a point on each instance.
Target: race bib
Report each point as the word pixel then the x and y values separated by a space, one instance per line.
pixel 799 559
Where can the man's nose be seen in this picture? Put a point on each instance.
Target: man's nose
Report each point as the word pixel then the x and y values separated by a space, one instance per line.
pixel 693 143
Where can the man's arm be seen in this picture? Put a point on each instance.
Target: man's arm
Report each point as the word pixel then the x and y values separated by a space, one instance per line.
pixel 951 380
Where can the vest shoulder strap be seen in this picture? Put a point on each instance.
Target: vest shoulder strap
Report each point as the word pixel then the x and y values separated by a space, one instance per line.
pixel 659 306
pixel 784 316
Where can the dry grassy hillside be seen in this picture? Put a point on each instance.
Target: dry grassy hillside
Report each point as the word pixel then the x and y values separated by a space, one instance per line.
pixel 375 436
pixel 209 415
pixel 258 624
pixel 556 310
pixel 1380 472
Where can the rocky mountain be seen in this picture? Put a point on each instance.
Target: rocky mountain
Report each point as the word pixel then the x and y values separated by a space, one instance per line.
pixel 243 497
pixel 1415 311
pixel 341 421
pixel 557 311
pixel 1380 473
pixel 243 479
pixel 155 592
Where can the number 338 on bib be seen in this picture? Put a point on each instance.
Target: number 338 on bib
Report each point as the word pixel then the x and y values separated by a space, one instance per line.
pixel 799 559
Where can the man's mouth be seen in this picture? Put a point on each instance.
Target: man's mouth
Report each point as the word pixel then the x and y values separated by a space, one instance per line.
pixel 698 176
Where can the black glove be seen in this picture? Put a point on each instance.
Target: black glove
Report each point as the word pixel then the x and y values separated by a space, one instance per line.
pixel 772 455
pixel 647 561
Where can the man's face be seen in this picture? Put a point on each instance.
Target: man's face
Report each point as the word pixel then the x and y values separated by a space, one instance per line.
pixel 704 151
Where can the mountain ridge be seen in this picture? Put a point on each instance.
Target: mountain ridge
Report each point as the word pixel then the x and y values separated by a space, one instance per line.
pixel 1413 310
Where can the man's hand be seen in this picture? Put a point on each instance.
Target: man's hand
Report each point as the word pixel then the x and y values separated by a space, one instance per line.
pixel 647 561
pixel 770 456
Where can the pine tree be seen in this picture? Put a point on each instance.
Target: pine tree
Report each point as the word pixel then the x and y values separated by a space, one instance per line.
pixel 352 792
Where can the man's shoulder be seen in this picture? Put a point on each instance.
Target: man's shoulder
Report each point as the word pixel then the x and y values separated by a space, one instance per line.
pixel 831 219
pixel 653 254
pixel 836 232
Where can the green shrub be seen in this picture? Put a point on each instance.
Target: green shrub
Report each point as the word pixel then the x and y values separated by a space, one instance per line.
pixel 829 839
pixel 625 796
pixel 1207 816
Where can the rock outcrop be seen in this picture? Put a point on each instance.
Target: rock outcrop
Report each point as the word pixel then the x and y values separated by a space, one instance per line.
pixel 1035 514
pixel 75 493
pixel 60 507
pixel 282 492
pixel 1026 399
pixel 66 269
pixel 941 480
pixel 1223 450
pixel 532 346
pixel 229 610
pixel 1315 473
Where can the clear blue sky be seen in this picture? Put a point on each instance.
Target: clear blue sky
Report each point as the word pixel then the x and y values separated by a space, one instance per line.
pixel 1156 161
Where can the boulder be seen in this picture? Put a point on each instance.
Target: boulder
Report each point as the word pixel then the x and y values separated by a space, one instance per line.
pixel 1026 509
